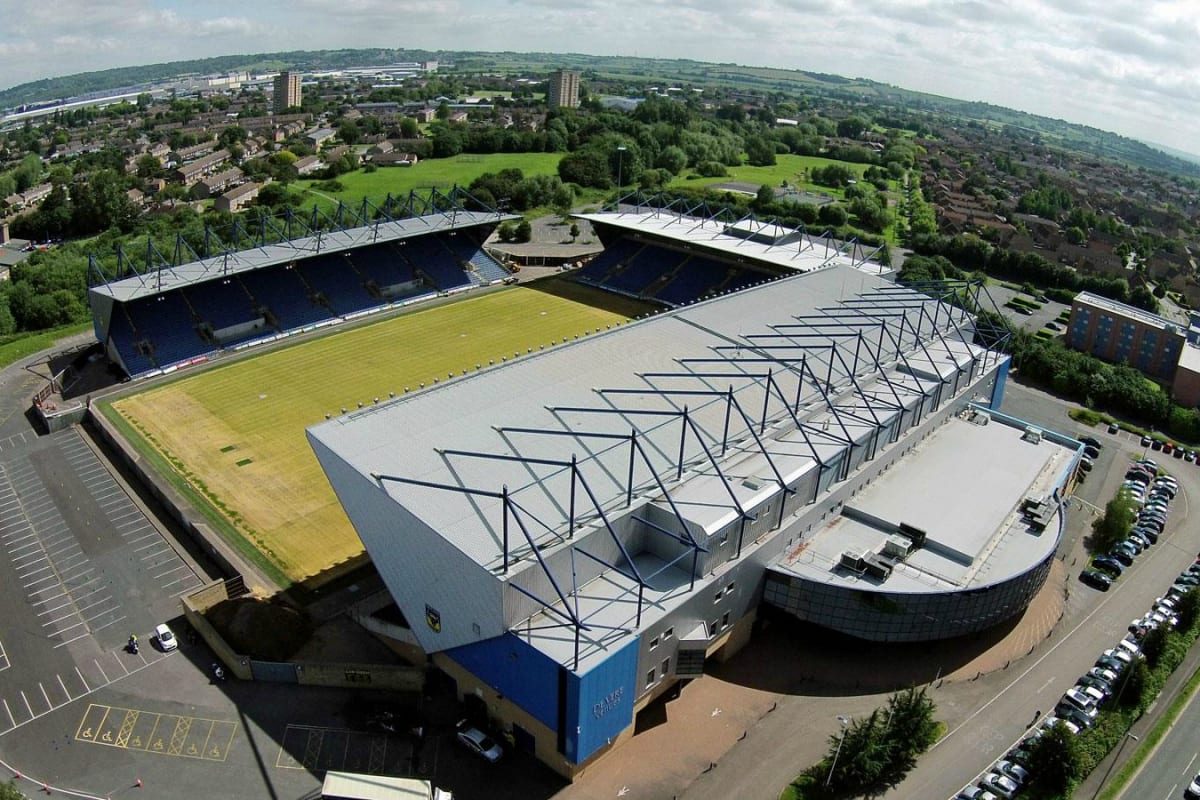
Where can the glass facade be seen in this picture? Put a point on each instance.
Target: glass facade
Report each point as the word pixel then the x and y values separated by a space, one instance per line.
pixel 903 616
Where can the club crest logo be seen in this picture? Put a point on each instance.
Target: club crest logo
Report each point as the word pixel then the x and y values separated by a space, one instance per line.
pixel 433 619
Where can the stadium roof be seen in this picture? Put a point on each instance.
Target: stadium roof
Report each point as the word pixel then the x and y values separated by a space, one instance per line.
pixel 960 487
pixel 738 241
pixel 168 278
pixel 852 347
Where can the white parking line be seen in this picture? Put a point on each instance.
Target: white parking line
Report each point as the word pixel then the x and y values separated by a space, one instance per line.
pixel 45 696
pixel 83 635
pixel 11 719
pixel 27 706
pixel 86 688
pixel 107 680
pixel 64 686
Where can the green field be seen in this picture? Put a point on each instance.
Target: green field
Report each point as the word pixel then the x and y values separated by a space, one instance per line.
pixel 795 170
pixel 440 172
pixel 233 437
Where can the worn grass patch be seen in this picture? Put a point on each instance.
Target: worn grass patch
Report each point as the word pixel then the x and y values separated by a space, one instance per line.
pixel 235 434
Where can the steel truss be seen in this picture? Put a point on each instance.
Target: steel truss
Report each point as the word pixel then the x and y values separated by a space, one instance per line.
pixel 843 359
pixel 304 231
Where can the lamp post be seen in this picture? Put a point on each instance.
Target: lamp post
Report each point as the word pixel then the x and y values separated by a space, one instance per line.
pixel 1113 763
pixel 838 751
pixel 620 163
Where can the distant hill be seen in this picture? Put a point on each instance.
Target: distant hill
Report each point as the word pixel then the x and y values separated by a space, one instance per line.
pixel 1171 151
pixel 638 72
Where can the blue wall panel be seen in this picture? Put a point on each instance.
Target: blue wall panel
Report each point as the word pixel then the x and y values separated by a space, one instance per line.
pixel 516 670
pixel 1001 380
pixel 600 703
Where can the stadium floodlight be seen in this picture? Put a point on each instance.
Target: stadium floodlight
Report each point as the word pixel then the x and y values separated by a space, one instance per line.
pixel 620 162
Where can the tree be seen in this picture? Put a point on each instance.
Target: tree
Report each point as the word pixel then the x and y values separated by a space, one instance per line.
pixel 524 231
pixel 1154 644
pixel 764 198
pixel 574 231
pixel 349 132
pixel 409 128
pixel 760 151
pixel 1054 762
pixel 1187 608
pixel 673 159
pixel 1114 526
pixel 588 167
pixel 832 214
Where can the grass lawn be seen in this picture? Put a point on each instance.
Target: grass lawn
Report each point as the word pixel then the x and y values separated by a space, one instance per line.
pixel 793 169
pixel 235 434
pixel 441 172
pixel 19 345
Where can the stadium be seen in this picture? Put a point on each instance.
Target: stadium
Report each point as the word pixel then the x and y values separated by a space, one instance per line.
pixel 790 428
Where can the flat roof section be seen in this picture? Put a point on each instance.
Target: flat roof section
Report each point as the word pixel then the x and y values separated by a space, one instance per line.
pixel 1121 309
pixel 806 254
pixel 963 486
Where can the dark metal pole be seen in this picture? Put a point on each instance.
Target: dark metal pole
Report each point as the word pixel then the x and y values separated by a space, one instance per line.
pixel 762 427
pixel 574 471
pixel 728 410
pixel 504 497
pixel 682 440
pixel 632 455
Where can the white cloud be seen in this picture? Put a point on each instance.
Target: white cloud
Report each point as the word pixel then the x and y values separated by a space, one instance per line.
pixel 1125 65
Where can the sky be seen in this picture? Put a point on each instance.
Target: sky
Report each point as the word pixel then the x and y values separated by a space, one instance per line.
pixel 1128 66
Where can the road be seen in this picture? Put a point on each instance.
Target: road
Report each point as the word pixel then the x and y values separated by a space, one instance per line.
pixel 1175 760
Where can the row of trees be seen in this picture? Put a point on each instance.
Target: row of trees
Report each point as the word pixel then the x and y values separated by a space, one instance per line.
pixel 1116 388
pixel 974 254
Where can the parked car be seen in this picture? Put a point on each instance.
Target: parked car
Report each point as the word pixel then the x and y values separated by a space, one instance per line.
pixel 1018 773
pixel 1002 785
pixel 1108 565
pixel 1192 792
pixel 974 793
pixel 1146 440
pixel 478 742
pixel 1094 680
pixel 1095 579
pixel 165 638
pixel 1122 556
pixel 1091 441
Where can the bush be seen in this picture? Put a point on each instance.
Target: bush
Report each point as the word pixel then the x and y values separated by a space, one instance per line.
pixel 711 169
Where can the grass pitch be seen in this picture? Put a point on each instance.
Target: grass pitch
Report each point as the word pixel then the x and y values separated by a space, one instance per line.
pixel 233 436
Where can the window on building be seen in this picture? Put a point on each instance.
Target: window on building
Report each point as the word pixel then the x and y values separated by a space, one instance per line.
pixel 666 667
pixel 717 597
pixel 725 620
pixel 668 633
pixel 650 677
pixel 729 588
pixel 654 643
pixel 714 627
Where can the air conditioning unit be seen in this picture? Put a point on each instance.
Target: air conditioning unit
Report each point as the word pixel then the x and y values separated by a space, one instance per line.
pixel 1033 435
pixel 853 562
pixel 897 547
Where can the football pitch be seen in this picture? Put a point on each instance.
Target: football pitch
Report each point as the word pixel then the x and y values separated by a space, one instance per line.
pixel 232 437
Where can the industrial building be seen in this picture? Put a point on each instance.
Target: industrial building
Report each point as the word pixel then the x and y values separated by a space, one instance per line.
pixel 571 533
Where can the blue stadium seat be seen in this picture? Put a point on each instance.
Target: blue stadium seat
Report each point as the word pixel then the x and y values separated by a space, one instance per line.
pixel 614 254
pixel 283 292
pixel 332 277
pixel 696 278
pixel 649 265
pixel 221 302
pixel 432 257
pixel 167 321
